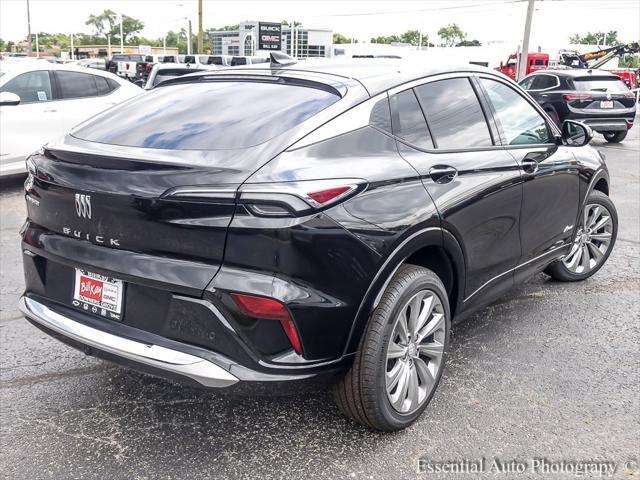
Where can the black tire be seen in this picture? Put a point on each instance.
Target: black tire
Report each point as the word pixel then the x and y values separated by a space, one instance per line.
pixel 615 137
pixel 362 395
pixel 559 271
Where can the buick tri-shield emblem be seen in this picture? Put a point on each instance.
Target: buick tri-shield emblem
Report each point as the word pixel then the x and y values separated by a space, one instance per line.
pixel 83 205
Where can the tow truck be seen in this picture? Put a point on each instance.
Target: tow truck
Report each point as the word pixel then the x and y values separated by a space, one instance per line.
pixel 598 58
pixel 535 61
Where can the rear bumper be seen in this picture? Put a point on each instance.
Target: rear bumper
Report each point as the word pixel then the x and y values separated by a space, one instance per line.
pixel 608 125
pixel 162 357
pixel 616 123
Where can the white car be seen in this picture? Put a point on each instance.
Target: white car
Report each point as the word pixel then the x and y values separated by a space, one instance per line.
pixel 41 100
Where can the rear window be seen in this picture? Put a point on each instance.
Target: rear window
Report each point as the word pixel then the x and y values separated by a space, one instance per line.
pixel 606 84
pixel 163 75
pixel 215 115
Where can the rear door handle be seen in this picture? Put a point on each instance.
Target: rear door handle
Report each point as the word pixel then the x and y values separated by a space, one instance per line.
pixel 529 165
pixel 442 173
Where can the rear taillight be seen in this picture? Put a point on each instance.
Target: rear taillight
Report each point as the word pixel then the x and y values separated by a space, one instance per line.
pixel 628 95
pixel 298 198
pixel 269 309
pixel 283 199
pixel 577 96
pixel 148 67
pixel 329 194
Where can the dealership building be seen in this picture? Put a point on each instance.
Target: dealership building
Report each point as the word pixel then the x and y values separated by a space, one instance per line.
pixel 256 38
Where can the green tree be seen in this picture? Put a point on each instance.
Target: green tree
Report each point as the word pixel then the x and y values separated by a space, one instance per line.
pixel 338 38
pixel 179 40
pixel 2 45
pixel 595 38
pixel 452 34
pixel 386 39
pixel 412 37
pixel 629 61
pixel 469 43
pixel 108 23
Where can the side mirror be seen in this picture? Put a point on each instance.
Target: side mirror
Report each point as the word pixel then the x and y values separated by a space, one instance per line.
pixel 9 98
pixel 576 134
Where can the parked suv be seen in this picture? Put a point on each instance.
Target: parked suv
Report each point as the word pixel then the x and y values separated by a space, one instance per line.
pixel 595 97
pixel 269 229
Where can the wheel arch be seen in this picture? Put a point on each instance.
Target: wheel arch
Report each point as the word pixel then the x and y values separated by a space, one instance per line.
pixel 434 248
pixel 602 185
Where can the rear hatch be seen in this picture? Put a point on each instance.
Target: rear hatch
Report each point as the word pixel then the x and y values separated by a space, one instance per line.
pixel 601 95
pixel 156 177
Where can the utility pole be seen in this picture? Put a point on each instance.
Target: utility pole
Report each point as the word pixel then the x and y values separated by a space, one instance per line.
pixel 524 53
pixel 109 45
pixel 121 36
pixel 71 36
pixel 200 32
pixel 28 30
pixel 37 46
pixel 189 37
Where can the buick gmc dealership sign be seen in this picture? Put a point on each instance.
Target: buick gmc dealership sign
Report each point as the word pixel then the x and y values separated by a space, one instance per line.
pixel 270 36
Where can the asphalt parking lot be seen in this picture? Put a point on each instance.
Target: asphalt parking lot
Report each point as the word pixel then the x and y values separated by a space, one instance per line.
pixel 550 371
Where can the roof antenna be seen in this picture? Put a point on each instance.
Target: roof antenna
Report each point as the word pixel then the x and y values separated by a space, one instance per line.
pixel 279 59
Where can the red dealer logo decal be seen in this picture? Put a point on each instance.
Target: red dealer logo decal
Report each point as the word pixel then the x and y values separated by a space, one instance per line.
pixel 90 288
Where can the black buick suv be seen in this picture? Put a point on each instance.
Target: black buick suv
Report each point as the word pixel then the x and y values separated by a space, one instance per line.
pixel 596 98
pixel 272 228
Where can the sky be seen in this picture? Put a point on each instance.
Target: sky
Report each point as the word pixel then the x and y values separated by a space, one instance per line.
pixel 485 20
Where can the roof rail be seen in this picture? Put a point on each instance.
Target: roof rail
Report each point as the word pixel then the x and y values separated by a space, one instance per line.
pixel 279 59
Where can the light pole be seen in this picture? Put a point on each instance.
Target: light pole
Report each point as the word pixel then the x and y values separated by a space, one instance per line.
pixel 200 32
pixel 121 36
pixel 524 53
pixel 28 30
pixel 188 36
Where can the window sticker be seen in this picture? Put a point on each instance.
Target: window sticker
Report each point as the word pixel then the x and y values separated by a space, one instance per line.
pixel 42 96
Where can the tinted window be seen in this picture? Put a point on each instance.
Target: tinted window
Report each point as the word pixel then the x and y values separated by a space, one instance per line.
pixel 104 87
pixel 207 116
pixel 76 85
pixel 520 122
pixel 30 87
pixel 238 61
pixel 527 82
pixel 454 114
pixel 602 84
pixel 408 120
pixel 544 81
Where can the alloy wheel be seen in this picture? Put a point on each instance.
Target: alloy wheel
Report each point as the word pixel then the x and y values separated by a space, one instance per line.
pixel 415 351
pixel 592 240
